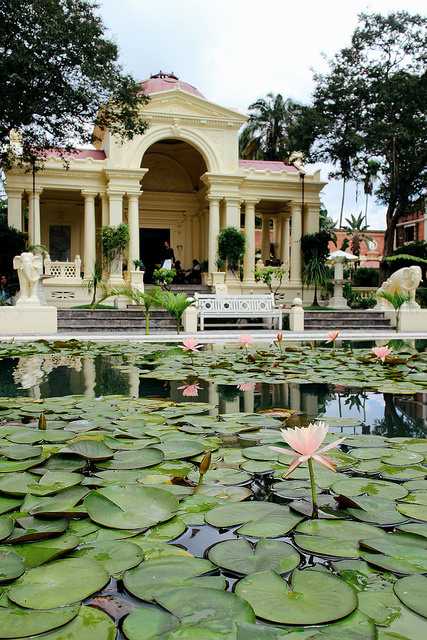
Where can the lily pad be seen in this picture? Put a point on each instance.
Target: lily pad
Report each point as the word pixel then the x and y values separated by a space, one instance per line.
pixel 11 565
pixel 313 597
pixel 412 591
pixel 241 557
pixel 147 457
pixel 43 551
pixel 153 577
pixel 131 507
pixel 257 519
pixel 88 449
pixel 339 538
pixel 21 623
pixel 58 584
pixel 360 486
pixel 415 511
pixel 6 527
pixel 399 552
pixel 89 624
pixel 189 613
pixel 115 556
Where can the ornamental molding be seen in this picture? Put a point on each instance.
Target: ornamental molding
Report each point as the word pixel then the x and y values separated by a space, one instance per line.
pixel 207 122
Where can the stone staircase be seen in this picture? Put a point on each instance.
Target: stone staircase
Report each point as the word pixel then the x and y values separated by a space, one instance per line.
pixel 129 320
pixel 363 320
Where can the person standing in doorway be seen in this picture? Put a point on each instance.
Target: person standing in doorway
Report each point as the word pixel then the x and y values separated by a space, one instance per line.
pixel 168 252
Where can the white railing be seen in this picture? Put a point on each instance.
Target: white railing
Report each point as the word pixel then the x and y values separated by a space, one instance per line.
pixel 365 292
pixel 63 270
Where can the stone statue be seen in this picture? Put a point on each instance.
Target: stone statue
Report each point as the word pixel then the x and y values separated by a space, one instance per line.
pixel 405 281
pixel 30 270
pixel 297 159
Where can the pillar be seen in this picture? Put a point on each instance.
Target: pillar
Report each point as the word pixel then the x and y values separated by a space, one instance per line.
pixel 311 219
pixel 115 205
pixel 14 208
pixel 249 401
pixel 34 232
pixel 89 238
pixel 105 218
pixel 294 396
pixel 195 237
pixel 213 399
pixel 265 246
pixel 133 222
pixel 296 261
pixel 133 372
pixel 213 233
pixel 284 241
pixel 249 257
pixel 232 212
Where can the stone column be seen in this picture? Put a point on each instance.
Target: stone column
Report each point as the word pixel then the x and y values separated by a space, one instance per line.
pixel 232 212
pixel 249 257
pixel 284 242
pixel 133 381
pixel 213 399
pixel 294 396
pixel 311 219
pixel 195 237
pixel 296 233
pixel 89 237
pixel 133 222
pixel 14 208
pixel 249 401
pixel 105 217
pixel 34 231
pixel 213 233
pixel 116 217
pixel 265 246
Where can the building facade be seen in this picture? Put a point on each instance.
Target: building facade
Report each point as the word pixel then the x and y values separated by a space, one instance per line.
pixel 412 226
pixel 181 181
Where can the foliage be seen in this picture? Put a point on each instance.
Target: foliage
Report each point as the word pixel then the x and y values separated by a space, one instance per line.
pixel 114 241
pixel 231 247
pixel 3 211
pixel 269 274
pixel 315 250
pixel 326 223
pixel 12 243
pixel 356 229
pixel 175 304
pixel 138 264
pixel 145 299
pixel 357 301
pixel 396 299
pixel 421 297
pixel 59 72
pixel 164 277
pixel 365 277
pixel 268 132
pixel 93 283
pixel 370 106
pixel 409 254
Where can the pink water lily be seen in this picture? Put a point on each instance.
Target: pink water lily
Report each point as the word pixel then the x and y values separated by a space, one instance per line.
pixel 306 442
pixel 190 344
pixel 381 352
pixel 190 390
pixel 332 336
pixel 246 386
pixel 245 340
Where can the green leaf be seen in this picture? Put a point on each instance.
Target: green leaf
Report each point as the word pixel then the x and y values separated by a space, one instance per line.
pixel 313 597
pixel 241 557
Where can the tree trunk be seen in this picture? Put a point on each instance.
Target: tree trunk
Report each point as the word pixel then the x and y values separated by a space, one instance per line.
pixel 342 202
pixel 391 221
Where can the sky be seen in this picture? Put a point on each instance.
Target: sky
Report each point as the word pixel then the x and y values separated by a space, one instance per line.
pixel 235 51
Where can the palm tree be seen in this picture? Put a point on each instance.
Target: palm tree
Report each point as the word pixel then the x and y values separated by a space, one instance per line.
pixel 266 136
pixel 146 300
pixel 356 229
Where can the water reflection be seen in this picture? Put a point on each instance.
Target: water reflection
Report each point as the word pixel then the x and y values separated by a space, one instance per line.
pixel 355 411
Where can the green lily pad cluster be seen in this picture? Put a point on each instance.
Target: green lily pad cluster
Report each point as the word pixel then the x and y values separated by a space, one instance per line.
pixel 106 522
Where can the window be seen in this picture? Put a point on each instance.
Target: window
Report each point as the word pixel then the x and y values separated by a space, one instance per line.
pixel 60 242
pixel 409 233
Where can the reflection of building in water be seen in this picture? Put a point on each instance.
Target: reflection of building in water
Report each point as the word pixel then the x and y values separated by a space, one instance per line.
pixel 31 372
pixel 414 407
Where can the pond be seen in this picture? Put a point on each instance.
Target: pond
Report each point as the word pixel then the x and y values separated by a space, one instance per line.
pixel 141 497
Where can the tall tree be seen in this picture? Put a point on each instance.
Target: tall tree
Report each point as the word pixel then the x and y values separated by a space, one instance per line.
pixel 267 134
pixel 371 105
pixel 59 76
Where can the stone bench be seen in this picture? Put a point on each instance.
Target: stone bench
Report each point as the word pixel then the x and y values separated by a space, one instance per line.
pixel 245 306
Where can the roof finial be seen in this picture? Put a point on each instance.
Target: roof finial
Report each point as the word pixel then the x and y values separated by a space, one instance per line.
pixel 163 74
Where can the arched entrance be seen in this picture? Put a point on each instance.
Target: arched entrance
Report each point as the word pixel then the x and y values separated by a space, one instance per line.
pixel 172 204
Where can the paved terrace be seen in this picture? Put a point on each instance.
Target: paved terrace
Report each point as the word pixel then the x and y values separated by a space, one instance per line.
pixel 206 337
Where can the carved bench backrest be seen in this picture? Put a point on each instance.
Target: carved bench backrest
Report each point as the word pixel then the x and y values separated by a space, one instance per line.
pixel 210 303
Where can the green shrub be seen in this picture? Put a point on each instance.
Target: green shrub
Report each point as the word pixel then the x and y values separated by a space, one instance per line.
pixel 365 277
pixel 421 297
pixel 114 241
pixel 164 277
pixel 231 247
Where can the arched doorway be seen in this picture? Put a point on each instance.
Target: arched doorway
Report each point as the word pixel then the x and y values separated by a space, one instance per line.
pixel 172 204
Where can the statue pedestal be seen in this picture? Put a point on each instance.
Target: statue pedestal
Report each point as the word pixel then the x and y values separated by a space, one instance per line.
pixel 28 319
pixel 338 301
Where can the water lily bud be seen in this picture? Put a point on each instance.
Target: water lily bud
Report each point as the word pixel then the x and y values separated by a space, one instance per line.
pixel 205 463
